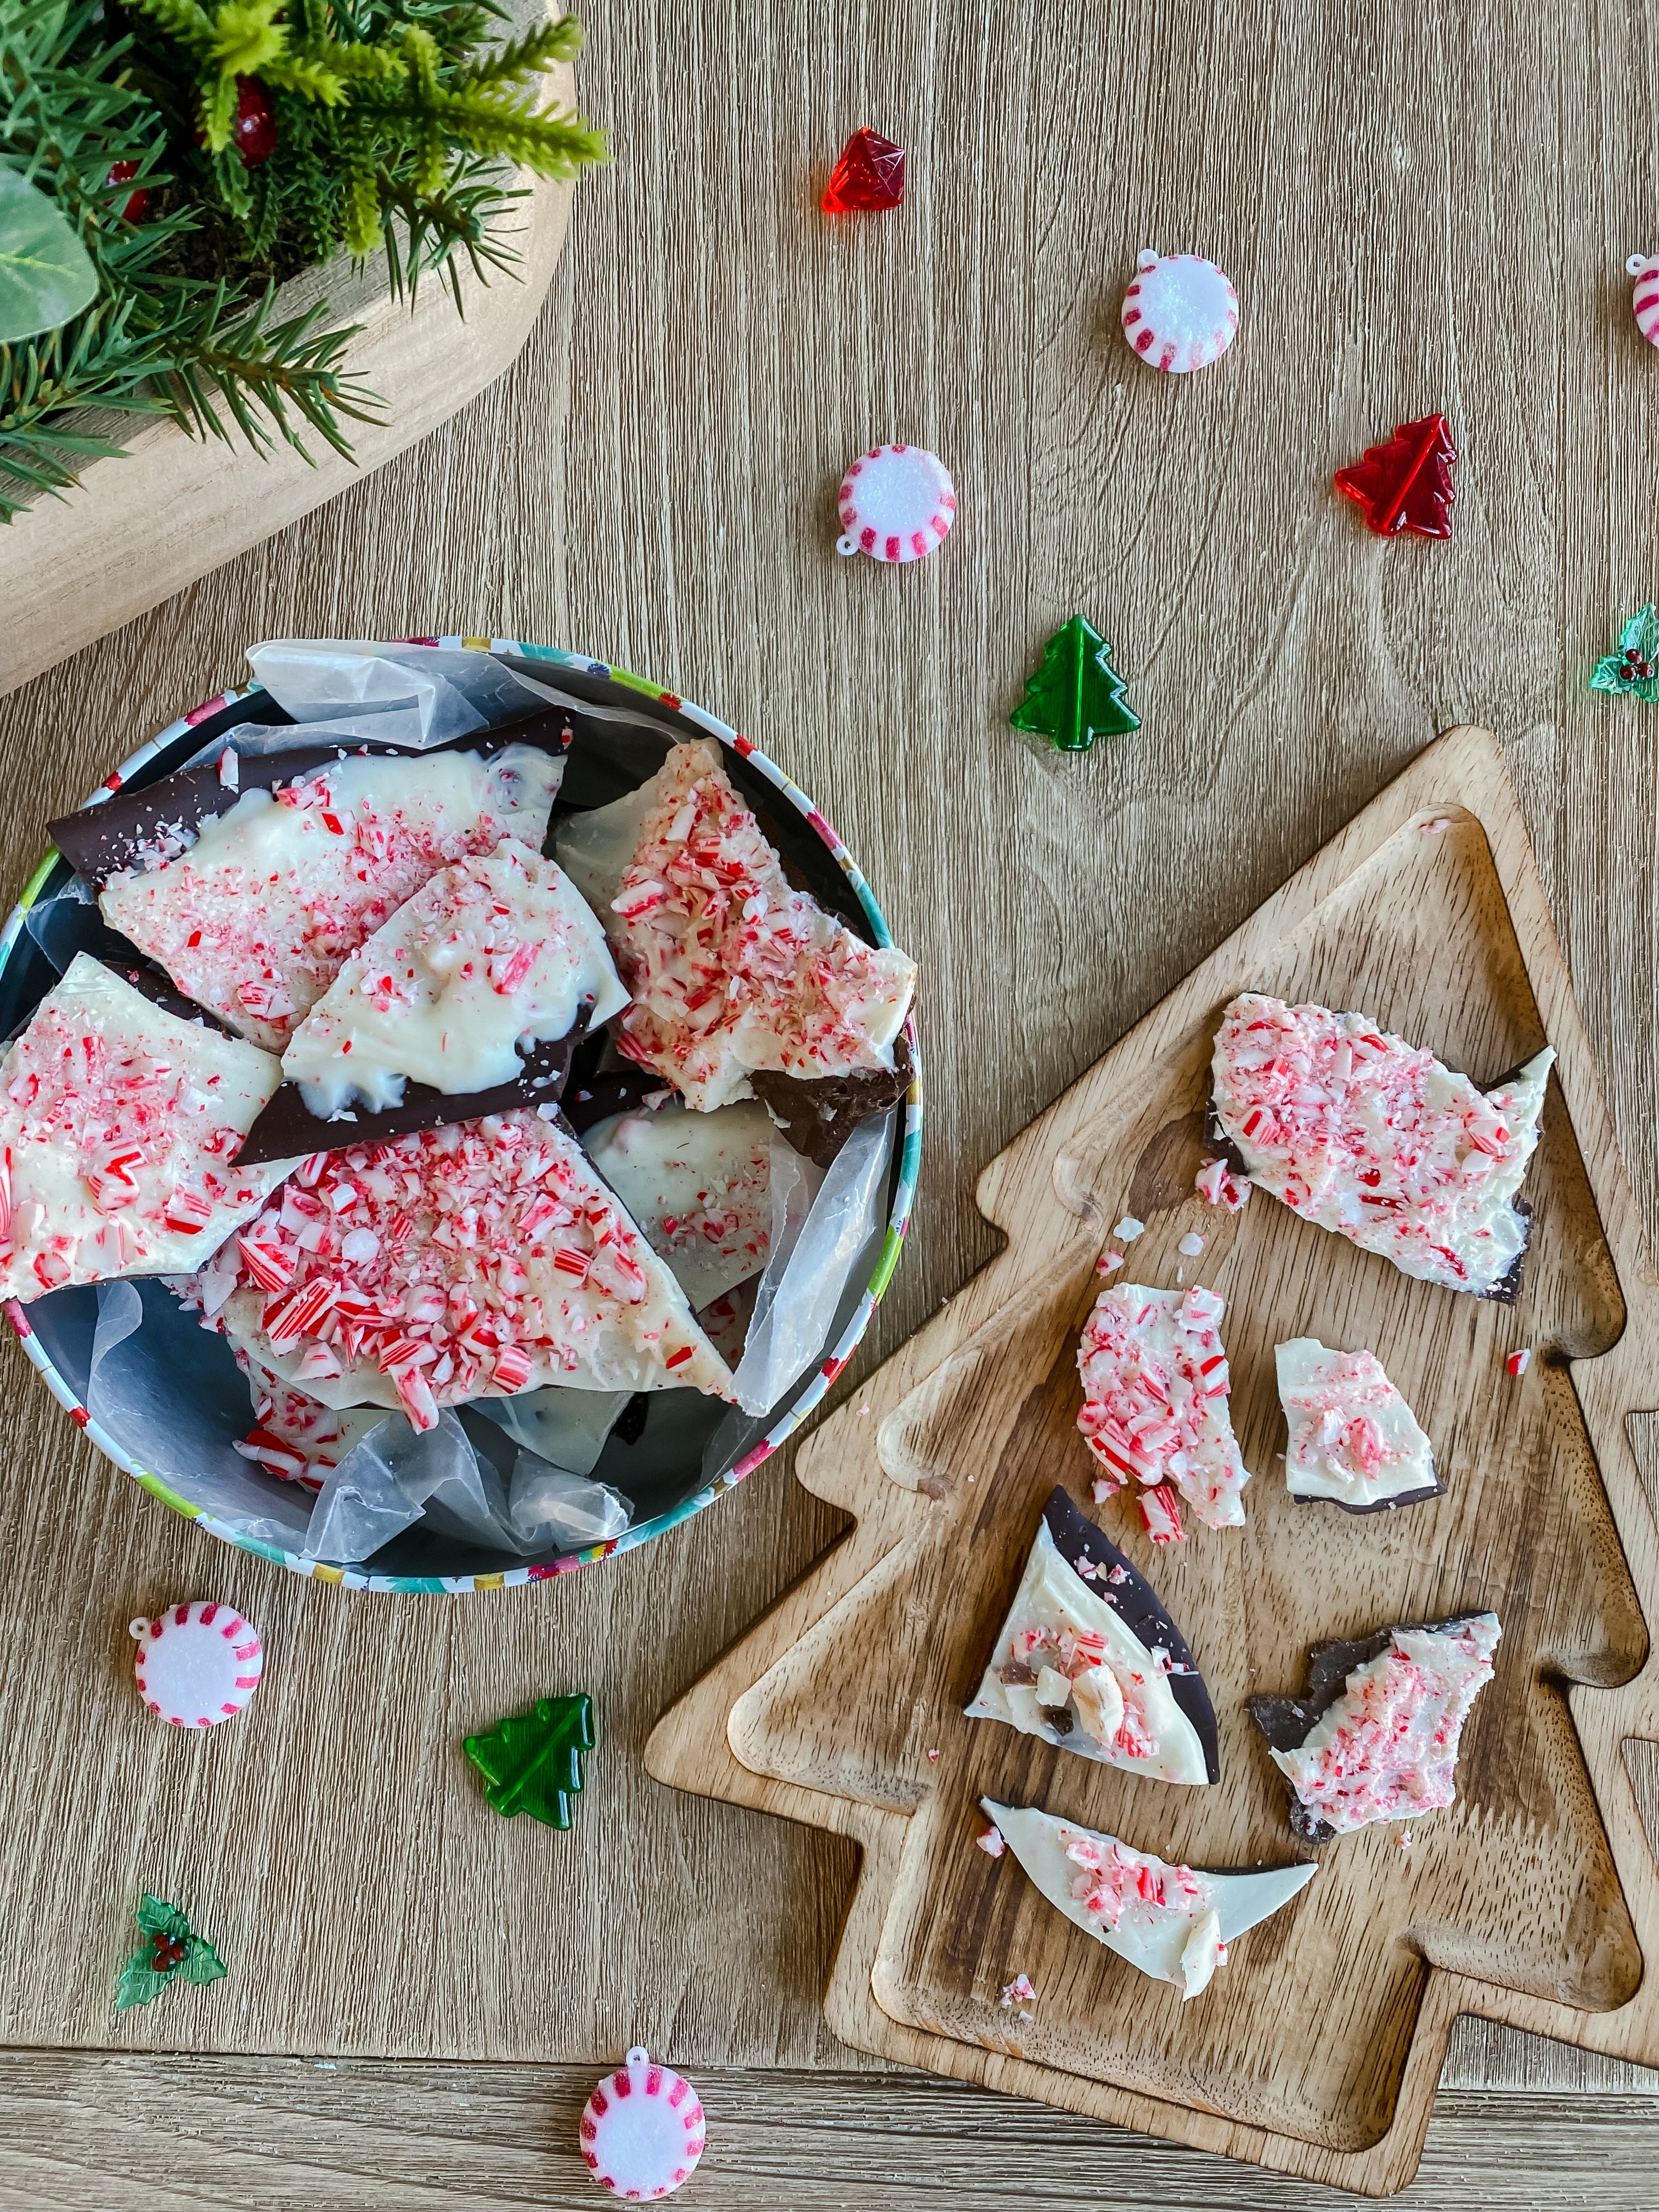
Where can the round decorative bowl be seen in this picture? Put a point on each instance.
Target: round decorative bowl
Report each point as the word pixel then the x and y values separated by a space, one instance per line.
pixel 628 725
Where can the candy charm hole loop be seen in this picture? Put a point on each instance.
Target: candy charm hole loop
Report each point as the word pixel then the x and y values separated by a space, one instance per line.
pixel 137 1630
pixel 638 2056
pixel 847 545
pixel 1636 264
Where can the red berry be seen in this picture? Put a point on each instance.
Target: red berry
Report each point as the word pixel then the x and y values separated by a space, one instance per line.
pixel 253 134
pixel 137 206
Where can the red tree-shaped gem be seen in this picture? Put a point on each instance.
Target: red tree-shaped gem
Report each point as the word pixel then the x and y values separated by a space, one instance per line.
pixel 869 174
pixel 1406 484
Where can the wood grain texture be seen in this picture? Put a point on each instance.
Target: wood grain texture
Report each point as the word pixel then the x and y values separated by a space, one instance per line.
pixel 1409 227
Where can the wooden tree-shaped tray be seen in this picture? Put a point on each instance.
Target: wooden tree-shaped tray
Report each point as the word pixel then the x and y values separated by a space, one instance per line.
pixel 1534 1898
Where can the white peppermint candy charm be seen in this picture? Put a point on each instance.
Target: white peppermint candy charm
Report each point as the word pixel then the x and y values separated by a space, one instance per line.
pixel 642 2129
pixel 197 1664
pixel 1180 312
pixel 1645 301
pixel 897 503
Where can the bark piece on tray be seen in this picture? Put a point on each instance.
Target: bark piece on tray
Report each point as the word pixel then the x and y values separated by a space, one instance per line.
pixel 731 969
pixel 1089 1660
pixel 698 1185
pixel 255 911
pixel 469 1000
pixel 1353 1438
pixel 1174 1923
pixel 120 1122
pixel 1360 1132
pixel 1374 1734
pixel 1155 1386
pixel 477 1260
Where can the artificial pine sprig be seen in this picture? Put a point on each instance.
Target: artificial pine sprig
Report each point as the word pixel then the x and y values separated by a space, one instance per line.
pixel 391 122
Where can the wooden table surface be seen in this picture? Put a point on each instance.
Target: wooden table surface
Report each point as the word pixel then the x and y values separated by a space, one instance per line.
pixel 1431 210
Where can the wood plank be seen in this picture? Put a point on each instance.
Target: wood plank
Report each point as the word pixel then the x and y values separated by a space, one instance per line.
pixel 85 2135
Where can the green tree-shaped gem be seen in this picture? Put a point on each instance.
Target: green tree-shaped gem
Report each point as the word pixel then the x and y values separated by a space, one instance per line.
pixel 170 1948
pixel 1635 666
pixel 1076 695
pixel 532 1763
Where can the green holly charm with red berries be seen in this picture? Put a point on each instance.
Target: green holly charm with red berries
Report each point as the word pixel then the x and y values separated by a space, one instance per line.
pixel 171 1947
pixel 1635 666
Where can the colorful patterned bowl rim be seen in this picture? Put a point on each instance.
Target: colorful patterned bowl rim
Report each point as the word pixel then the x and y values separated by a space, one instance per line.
pixel 812 1393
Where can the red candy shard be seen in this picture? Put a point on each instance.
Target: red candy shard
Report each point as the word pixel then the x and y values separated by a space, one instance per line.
pixel 1406 484
pixel 870 174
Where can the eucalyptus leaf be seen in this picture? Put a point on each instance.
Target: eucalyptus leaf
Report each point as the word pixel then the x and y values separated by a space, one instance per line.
pixel 47 275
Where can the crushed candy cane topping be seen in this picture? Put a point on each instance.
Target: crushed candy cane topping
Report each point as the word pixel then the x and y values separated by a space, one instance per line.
pixel 730 969
pixel 1386 1750
pixel 1518 1362
pixel 1350 1435
pixel 495 954
pixel 1114 1877
pixel 1360 1132
pixel 991 1843
pixel 120 1126
pixel 1019 1992
pixel 1128 1229
pixel 1155 1385
pixel 1217 1184
pixel 477 1260
pixel 258 916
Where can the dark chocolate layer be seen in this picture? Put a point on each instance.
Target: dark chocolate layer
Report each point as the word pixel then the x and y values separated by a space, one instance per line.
pixel 287 1129
pixel 1132 1597
pixel 818 1115
pixel 1287 1722
pixel 99 841
pixel 1435 1488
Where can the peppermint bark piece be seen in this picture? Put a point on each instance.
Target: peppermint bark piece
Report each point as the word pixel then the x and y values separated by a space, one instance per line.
pixel 493 955
pixel 479 1259
pixel 120 1122
pixel 1375 1735
pixel 1353 1438
pixel 255 912
pixel 1362 1133
pixel 1174 1923
pixel 1155 1385
pixel 699 1186
pixel 732 970
pixel 1096 1666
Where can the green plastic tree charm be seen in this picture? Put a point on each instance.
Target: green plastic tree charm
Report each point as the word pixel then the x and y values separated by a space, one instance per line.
pixel 532 1763
pixel 1077 695
pixel 171 1947
pixel 1635 667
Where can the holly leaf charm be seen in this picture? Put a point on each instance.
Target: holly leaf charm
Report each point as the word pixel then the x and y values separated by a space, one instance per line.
pixel 202 1963
pixel 1635 666
pixel 171 1947
pixel 532 1762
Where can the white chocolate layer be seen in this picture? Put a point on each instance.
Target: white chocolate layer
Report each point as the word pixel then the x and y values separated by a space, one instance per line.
pixel 699 1186
pixel 257 917
pixel 1171 1922
pixel 1057 1625
pixel 495 952
pixel 120 1124
pixel 1351 1436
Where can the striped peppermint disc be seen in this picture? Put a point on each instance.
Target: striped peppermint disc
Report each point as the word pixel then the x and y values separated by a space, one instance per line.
pixel 642 2129
pixel 897 503
pixel 197 1664
pixel 1180 312
pixel 1645 300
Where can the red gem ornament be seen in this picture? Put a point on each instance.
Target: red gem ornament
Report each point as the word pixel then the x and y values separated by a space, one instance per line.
pixel 641 2132
pixel 197 1664
pixel 870 174
pixel 1406 484
pixel 897 503
pixel 137 205
pixel 253 134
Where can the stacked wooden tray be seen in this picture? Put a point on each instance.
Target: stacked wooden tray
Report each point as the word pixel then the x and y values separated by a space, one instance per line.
pixel 1535 1897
